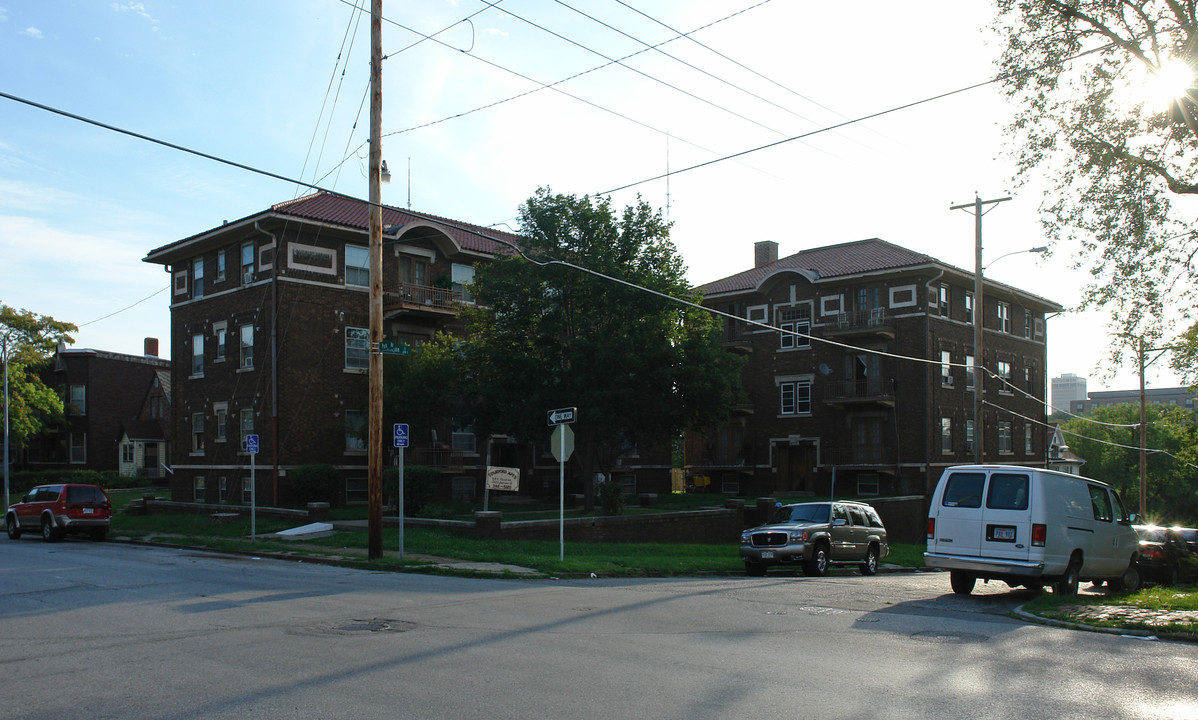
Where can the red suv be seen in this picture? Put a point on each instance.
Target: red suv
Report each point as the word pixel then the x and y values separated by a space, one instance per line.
pixel 55 510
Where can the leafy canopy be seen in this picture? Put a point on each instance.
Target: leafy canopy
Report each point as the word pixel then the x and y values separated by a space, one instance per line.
pixel 639 367
pixel 1119 163
pixel 30 342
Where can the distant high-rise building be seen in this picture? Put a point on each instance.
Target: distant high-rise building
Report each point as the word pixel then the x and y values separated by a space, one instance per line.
pixel 1066 389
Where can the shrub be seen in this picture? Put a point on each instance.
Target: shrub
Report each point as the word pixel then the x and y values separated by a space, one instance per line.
pixel 611 497
pixel 419 486
pixel 315 483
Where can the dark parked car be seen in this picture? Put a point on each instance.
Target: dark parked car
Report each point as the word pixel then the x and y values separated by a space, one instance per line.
pixel 1190 535
pixel 816 535
pixel 1164 556
pixel 56 510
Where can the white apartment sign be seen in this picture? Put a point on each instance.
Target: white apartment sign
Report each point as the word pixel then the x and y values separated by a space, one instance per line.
pixel 503 478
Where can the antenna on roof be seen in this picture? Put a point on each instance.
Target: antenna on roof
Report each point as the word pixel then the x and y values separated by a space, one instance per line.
pixel 409 182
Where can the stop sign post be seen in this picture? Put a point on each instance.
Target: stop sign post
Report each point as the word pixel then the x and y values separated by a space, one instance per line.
pixel 562 446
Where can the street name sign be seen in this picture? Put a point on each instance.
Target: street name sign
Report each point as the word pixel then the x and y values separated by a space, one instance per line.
pixel 392 347
pixel 562 416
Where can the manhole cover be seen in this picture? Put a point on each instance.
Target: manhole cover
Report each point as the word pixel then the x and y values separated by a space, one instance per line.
pixel 938 637
pixel 354 627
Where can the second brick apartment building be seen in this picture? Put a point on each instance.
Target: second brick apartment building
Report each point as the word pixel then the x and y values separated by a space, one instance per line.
pixel 860 371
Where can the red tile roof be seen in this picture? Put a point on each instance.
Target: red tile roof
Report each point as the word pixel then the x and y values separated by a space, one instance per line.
pixel 351 212
pixel 852 258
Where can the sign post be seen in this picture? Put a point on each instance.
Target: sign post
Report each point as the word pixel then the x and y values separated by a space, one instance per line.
pixel 401 442
pixel 251 447
pixel 562 446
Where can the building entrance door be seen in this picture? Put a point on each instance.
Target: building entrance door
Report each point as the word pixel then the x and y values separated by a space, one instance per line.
pixel 795 467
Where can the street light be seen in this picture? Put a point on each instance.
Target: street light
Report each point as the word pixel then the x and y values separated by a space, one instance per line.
pixel 4 353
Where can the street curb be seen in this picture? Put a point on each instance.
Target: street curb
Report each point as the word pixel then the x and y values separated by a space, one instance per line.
pixel 1126 632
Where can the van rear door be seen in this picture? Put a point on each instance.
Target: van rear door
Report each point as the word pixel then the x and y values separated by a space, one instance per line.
pixel 1006 517
pixel 959 514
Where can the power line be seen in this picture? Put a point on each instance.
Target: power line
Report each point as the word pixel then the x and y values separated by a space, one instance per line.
pixel 130 307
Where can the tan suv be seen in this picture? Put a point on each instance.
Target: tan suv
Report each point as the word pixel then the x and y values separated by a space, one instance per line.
pixel 56 510
pixel 815 535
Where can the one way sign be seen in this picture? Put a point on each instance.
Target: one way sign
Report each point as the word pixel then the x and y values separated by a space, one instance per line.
pixel 562 416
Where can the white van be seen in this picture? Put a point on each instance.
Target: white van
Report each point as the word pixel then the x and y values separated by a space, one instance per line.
pixel 1029 527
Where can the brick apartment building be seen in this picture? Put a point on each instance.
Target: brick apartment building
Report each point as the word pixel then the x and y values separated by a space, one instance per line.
pixel 269 332
pixel 868 379
pixel 103 392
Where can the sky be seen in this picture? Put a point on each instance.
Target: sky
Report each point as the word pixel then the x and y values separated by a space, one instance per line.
pixel 470 133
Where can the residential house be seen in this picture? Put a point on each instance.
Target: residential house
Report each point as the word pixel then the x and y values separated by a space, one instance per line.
pixel 269 329
pixel 101 392
pixel 861 372
pixel 146 438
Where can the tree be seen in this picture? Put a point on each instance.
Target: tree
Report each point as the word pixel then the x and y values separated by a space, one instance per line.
pixel 31 340
pixel 639 366
pixel 1112 455
pixel 1120 168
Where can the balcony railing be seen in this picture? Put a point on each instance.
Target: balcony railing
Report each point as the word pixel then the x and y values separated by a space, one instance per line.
pixel 873 321
pixel 423 297
pixel 860 391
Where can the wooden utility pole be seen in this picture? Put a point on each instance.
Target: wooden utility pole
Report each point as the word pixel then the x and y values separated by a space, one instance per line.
pixel 979 320
pixel 374 435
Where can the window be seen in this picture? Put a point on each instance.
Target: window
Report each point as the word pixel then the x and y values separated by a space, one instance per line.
pixel 247 346
pixel 1004 437
pixel 969 373
pixel 197 432
pixel 1027 439
pixel 78 448
pixel 946 367
pixel 1007 492
pixel 197 278
pixel 197 355
pixel 197 488
pixel 223 484
pixel 246 424
pixel 463 276
pixel 247 263
pixel 944 295
pixel 969 308
pixel 963 490
pixel 1004 376
pixel 946 435
pixel 867 440
pixel 221 411
pixel 1004 317
pixel 795 398
pixel 867 484
pixel 357 266
pixel 1101 503
pixel 79 399
pixel 355 430
pixel 221 334
pixel 795 324
pixel 413 270
pixel 247 490
pixel 220 266
pixel 1027 324
pixel 969 446
pixel 357 348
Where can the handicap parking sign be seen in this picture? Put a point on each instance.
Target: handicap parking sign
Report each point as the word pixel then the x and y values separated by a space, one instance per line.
pixel 401 435
pixel 251 444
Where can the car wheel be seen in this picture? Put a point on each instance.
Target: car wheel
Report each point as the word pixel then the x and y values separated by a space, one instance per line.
pixel 14 530
pixel 1129 581
pixel 1067 585
pixel 870 566
pixel 962 583
pixel 49 532
pixel 817 566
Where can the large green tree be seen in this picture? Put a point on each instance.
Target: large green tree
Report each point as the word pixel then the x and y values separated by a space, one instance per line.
pixel 1120 163
pixel 31 341
pixel 1112 455
pixel 553 329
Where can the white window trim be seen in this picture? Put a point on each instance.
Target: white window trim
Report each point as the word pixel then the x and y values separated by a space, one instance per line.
pixel 895 291
pixel 831 305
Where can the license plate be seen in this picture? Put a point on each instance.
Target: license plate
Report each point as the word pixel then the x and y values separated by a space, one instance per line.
pixel 767 554
pixel 88 511
pixel 1004 533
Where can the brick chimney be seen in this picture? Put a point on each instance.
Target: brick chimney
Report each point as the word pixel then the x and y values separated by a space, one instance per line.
pixel 151 347
pixel 764 252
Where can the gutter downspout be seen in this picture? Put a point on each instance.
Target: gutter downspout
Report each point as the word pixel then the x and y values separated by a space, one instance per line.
pixel 274 366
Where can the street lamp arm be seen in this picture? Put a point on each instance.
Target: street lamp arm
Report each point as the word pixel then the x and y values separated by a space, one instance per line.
pixel 1039 250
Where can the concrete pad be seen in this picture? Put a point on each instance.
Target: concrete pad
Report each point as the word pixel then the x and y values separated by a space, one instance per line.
pixel 309 529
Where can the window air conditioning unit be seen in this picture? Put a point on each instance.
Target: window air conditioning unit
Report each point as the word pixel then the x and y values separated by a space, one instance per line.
pixel 248 278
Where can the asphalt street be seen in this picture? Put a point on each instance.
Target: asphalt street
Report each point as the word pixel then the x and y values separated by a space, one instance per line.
pixel 117 631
